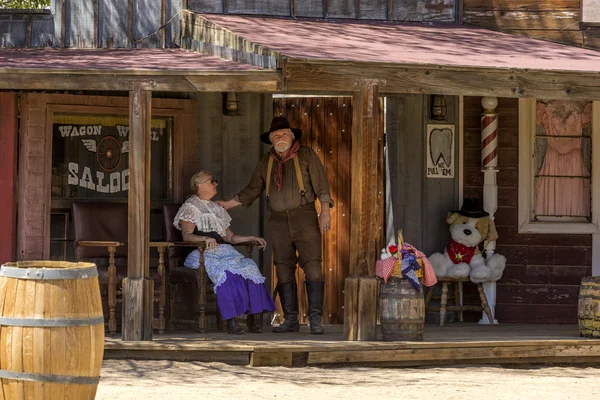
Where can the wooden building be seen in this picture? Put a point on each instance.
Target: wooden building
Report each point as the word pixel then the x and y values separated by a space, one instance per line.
pixel 346 72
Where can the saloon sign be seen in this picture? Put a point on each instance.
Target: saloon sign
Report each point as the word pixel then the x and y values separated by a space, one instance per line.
pixel 96 156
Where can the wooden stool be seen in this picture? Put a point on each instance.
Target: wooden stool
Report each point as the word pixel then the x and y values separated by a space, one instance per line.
pixel 458 294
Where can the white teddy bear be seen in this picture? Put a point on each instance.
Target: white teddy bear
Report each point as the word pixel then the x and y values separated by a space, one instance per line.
pixel 469 226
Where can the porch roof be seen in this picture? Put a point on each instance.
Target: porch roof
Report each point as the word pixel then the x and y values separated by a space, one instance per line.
pixel 405 58
pixel 155 61
pixel 408 43
pixel 114 69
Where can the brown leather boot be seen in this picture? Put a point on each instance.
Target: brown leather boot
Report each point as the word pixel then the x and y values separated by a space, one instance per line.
pixel 315 290
pixel 255 322
pixel 289 302
pixel 233 327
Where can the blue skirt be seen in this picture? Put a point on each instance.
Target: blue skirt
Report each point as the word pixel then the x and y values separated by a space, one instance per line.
pixel 237 296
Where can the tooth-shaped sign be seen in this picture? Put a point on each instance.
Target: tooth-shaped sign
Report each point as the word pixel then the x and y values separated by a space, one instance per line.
pixel 440 146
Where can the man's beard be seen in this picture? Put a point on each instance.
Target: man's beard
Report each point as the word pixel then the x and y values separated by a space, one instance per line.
pixel 282 147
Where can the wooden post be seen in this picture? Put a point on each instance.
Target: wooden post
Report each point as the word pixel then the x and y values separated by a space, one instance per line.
pixel 360 295
pixel 489 167
pixel 138 288
pixel 8 175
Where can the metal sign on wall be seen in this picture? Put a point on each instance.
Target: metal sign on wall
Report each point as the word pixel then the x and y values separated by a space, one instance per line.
pixel 90 156
pixel 440 151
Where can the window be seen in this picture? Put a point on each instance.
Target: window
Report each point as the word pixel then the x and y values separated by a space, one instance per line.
pixel 90 162
pixel 590 12
pixel 557 176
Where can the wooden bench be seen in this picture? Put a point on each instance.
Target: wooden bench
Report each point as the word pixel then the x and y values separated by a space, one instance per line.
pixel 101 237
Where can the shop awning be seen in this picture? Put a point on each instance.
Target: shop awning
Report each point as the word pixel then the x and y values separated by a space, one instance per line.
pixel 411 58
pixel 115 69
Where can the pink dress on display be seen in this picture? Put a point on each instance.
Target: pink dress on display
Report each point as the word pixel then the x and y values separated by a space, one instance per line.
pixel 563 184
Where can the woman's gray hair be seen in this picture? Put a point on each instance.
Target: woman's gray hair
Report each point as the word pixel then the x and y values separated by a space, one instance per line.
pixel 198 178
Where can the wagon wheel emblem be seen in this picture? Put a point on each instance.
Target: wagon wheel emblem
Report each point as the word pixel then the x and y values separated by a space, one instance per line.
pixel 109 153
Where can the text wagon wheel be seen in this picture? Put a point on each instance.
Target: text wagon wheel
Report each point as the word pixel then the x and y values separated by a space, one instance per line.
pixel 109 153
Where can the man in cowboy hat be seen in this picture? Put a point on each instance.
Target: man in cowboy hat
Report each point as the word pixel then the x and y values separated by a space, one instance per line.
pixel 292 177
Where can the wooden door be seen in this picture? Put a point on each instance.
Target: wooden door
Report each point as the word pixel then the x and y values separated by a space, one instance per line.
pixel 326 123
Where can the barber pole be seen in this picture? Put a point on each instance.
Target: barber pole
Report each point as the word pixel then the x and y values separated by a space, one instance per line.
pixel 489 135
pixel 489 167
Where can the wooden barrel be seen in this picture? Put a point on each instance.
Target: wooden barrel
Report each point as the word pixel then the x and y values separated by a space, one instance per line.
pixel 51 330
pixel 402 310
pixel 589 307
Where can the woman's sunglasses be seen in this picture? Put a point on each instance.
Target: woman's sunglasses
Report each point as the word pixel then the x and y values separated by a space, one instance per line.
pixel 211 180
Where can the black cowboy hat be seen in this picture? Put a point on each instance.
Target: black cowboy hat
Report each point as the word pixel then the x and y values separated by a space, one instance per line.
pixel 471 208
pixel 277 124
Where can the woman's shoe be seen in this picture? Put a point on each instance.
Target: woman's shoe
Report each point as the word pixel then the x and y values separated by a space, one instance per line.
pixel 233 328
pixel 255 323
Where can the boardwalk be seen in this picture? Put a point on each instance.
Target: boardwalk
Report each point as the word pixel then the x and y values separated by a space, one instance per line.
pixel 453 344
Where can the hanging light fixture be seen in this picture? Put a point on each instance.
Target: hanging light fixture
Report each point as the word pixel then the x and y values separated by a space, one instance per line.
pixel 438 107
pixel 231 104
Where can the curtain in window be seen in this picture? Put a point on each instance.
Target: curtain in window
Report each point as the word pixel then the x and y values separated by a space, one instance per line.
pixel 563 183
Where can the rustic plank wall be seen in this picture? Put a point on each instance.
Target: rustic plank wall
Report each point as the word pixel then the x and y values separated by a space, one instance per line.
pixel 420 204
pixel 94 24
pixel 393 10
pixel 113 23
pixel 326 123
pixel 554 20
pixel 229 146
pixel 543 272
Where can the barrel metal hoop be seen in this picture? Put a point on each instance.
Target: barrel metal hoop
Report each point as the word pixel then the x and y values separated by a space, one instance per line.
pixel 583 298
pixel 48 274
pixel 26 376
pixel 54 322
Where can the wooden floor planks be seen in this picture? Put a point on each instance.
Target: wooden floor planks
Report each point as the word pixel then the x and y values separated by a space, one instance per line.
pixel 452 344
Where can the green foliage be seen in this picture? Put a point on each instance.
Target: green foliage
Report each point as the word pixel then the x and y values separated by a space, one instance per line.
pixel 24 4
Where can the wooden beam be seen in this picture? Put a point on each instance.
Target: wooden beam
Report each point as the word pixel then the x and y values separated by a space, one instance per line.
pixel 523 5
pixel 138 287
pixel 163 23
pixel 351 308
pixel 260 82
pixel 254 81
pixel 367 149
pixel 563 20
pixel 130 23
pixel 8 175
pixel 360 299
pixel 436 79
pixel 271 359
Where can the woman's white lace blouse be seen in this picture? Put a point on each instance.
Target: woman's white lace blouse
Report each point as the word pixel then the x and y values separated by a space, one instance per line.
pixel 207 215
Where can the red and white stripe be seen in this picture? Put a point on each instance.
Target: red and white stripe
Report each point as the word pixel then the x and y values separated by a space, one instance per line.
pixel 489 141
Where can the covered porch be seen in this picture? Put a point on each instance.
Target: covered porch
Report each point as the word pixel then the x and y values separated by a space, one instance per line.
pixel 262 55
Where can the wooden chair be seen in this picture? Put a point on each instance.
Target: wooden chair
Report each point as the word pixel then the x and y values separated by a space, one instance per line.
pixel 458 295
pixel 177 252
pixel 101 237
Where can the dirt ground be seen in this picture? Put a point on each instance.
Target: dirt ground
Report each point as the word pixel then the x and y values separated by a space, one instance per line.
pixel 145 380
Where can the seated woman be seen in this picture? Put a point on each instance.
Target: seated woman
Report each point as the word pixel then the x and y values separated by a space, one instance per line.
pixel 238 283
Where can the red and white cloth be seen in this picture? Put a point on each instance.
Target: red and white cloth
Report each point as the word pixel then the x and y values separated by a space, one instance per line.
pixel 383 268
